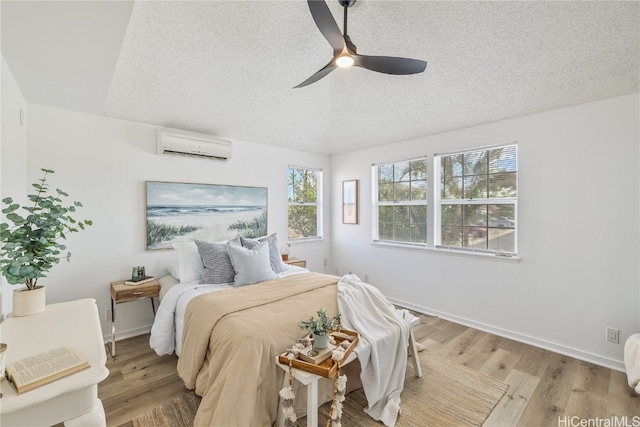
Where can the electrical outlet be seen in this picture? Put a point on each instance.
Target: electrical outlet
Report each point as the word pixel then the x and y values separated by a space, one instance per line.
pixel 108 314
pixel 366 278
pixel 325 262
pixel 613 335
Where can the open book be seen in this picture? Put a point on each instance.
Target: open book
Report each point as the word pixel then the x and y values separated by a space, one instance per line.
pixel 43 368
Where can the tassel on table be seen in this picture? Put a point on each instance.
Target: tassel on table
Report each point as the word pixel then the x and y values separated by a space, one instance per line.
pixel 341 387
pixel 288 397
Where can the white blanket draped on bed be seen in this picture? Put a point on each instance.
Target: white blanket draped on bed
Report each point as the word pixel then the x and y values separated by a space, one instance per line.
pixel 382 349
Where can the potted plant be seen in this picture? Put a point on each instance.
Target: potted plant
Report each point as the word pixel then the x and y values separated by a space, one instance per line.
pixel 31 243
pixel 320 327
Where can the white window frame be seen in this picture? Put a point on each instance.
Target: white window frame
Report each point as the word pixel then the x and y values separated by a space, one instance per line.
pixel 317 204
pixel 434 208
pixel 376 204
pixel 439 202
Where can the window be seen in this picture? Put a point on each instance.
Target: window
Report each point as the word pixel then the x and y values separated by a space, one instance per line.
pixel 470 206
pixel 477 200
pixel 305 202
pixel 401 202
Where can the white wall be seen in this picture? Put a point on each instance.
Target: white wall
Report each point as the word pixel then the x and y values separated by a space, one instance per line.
pixel 13 158
pixel 104 163
pixel 579 218
pixel 579 233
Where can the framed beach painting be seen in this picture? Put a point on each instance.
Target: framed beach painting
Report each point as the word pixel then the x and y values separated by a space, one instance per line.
pixel 350 201
pixel 182 212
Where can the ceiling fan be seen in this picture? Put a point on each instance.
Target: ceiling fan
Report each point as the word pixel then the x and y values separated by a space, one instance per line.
pixel 344 51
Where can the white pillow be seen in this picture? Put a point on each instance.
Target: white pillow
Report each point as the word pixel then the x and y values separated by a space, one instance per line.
pixel 189 266
pixel 251 265
pixel 174 266
pixel 275 258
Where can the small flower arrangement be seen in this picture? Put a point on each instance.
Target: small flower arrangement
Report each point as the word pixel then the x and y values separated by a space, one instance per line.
pixel 322 324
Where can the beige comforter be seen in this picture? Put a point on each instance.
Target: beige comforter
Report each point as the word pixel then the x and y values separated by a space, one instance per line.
pixel 231 339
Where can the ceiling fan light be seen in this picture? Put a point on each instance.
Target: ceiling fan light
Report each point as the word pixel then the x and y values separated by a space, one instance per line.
pixel 344 61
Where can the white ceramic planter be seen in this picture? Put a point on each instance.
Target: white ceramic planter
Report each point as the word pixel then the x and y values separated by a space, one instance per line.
pixel 27 302
pixel 320 341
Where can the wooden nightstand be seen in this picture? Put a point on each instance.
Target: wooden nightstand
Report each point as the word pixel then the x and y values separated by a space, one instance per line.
pixel 296 261
pixel 124 293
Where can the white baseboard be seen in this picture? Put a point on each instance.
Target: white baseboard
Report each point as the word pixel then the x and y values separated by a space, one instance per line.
pixel 606 362
pixel 129 333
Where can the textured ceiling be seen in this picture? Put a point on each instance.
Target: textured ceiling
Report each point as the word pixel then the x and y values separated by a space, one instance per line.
pixel 228 68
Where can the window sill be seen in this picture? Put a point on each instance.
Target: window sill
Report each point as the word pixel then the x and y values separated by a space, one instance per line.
pixel 304 240
pixel 448 251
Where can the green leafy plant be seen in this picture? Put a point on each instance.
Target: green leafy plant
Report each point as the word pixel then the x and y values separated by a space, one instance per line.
pixel 322 324
pixel 31 244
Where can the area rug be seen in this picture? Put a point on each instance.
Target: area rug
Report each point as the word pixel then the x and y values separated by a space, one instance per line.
pixel 448 394
pixel 178 412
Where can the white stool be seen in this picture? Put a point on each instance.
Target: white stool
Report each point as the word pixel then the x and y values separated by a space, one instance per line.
pixel 310 380
pixel 413 350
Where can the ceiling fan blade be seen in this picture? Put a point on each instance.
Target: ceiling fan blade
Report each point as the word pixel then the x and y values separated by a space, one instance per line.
pixel 319 74
pixel 326 24
pixel 390 64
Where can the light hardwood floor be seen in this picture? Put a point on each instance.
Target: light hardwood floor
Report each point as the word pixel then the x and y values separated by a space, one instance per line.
pixel 545 388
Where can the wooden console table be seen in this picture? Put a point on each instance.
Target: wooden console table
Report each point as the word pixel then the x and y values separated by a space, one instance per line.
pixel 73 399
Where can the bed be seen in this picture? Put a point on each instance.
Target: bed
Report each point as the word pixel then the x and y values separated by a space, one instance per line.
pixel 227 336
pixel 174 298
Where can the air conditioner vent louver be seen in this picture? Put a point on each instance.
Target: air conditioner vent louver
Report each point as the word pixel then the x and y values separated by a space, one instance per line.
pixel 200 155
pixel 189 144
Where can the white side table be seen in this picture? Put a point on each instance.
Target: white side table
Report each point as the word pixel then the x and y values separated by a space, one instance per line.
pixel 310 380
pixel 73 399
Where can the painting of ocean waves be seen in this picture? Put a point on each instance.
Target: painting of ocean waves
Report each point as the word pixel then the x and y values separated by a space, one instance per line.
pixel 168 210
pixel 179 212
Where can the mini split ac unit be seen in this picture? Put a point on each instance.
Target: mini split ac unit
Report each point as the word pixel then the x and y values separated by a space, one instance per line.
pixel 189 144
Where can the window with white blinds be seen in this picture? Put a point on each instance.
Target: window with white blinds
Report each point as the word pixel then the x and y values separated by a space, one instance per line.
pixel 476 201
pixel 401 202
pixel 461 201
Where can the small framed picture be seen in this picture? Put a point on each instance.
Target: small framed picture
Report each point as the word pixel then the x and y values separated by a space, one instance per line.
pixel 350 201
